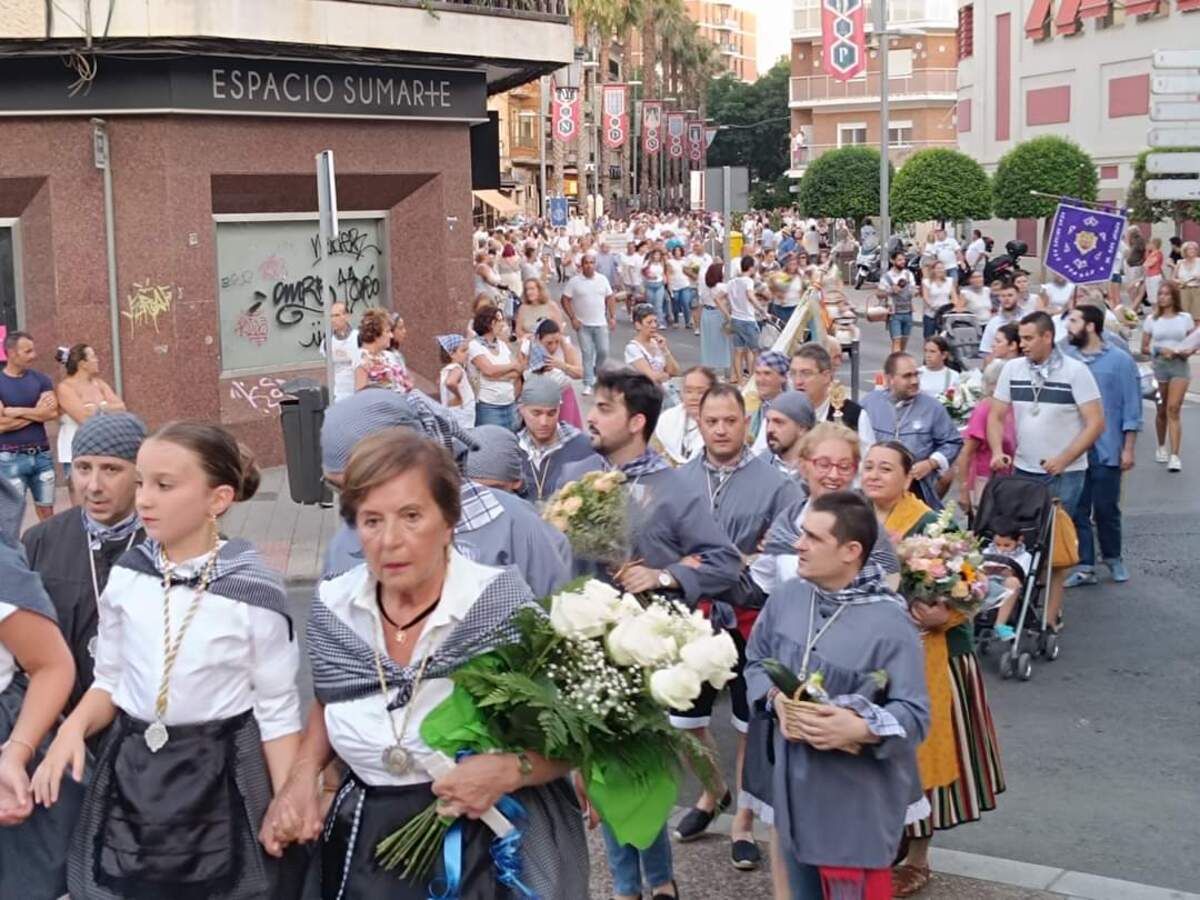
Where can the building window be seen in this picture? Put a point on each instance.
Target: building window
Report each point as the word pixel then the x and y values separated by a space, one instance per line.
pixel 1048 106
pixel 900 63
pixel 522 132
pixel 966 31
pixel 1129 96
pixel 10 318
pixel 270 297
pixel 900 134
pixel 850 135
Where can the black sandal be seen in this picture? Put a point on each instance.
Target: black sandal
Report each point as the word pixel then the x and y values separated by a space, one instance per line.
pixel 696 821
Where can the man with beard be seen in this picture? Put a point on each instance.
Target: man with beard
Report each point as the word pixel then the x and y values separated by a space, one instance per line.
pixel 745 495
pixel 789 419
pixel 547 443
pixel 903 413
pixel 676 547
pixel 74 551
pixel 1116 375
pixel 1010 312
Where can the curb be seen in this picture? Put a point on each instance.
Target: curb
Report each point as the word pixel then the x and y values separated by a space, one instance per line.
pixel 1009 872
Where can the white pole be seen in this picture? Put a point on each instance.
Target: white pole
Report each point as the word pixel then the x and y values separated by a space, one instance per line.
pixel 885 221
pixel 327 230
pixel 541 120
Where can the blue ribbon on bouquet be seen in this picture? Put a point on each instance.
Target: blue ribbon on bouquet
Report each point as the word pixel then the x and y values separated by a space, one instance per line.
pixel 506 852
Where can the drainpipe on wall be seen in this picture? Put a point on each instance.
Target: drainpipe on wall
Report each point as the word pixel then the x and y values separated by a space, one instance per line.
pixel 100 152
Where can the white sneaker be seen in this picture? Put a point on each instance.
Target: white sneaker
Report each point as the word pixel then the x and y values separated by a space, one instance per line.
pixel 1175 465
pixel 587 390
pixel 1160 455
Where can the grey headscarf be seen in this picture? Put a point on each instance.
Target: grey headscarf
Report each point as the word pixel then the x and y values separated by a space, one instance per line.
pixel 796 406
pixel 498 457
pixel 541 390
pixel 119 435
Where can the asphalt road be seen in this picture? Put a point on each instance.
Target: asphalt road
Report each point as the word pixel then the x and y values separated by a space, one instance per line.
pixel 1099 748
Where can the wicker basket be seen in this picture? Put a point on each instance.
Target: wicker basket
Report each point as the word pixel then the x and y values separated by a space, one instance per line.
pixel 791 713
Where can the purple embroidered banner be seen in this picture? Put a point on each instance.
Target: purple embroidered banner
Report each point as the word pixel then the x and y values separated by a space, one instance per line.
pixel 1084 243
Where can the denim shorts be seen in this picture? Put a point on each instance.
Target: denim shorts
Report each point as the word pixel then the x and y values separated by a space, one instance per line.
pixel 745 334
pixel 899 325
pixel 32 471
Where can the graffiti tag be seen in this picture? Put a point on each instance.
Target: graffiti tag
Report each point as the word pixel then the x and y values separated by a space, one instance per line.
pixel 147 302
pixel 253 327
pixel 262 396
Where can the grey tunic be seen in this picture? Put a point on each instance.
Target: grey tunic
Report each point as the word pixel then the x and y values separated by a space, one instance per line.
pixel 671 520
pixel 518 537
pixel 923 426
pixel 833 808
pixel 540 482
pixel 745 505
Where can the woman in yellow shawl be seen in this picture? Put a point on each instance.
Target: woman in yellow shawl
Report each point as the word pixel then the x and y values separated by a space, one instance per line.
pixel 886 477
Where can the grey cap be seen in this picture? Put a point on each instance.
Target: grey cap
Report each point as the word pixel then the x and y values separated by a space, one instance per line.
pixel 118 435
pixel 796 406
pixel 541 390
pixel 498 457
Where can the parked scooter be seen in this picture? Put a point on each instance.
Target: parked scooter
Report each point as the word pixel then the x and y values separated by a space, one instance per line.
pixel 866 265
pixel 1007 264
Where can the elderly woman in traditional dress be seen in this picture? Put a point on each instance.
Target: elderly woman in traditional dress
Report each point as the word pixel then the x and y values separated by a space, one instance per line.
pixel 384 639
pixel 959 760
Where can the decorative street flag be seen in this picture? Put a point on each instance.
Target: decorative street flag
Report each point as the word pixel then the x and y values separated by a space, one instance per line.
pixel 1084 243
pixel 676 130
pixel 710 134
pixel 616 115
pixel 652 127
pixel 564 113
pixel 844 37
pixel 695 142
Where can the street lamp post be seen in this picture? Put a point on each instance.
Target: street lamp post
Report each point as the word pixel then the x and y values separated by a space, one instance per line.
pixel 885 220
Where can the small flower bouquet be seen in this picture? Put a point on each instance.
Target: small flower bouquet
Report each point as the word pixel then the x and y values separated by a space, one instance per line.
pixel 960 400
pixel 944 565
pixel 593 513
pixel 588 684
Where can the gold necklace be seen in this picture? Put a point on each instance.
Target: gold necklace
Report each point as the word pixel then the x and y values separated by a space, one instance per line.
pixel 156 735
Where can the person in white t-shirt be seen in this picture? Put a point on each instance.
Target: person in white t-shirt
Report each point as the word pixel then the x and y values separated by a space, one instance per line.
pixel 948 252
pixel 977 299
pixel 499 371
pixel 588 302
pixel 1056 294
pixel 345 352
pixel 743 310
pixel 1059 415
pixel 454 387
pixel 1010 311
pixel 976 251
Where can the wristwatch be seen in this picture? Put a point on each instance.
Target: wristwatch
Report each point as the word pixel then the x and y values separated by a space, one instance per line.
pixel 666 580
pixel 526 766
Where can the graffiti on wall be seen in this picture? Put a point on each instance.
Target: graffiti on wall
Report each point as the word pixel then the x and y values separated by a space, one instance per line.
pixel 146 302
pixel 273 297
pixel 262 395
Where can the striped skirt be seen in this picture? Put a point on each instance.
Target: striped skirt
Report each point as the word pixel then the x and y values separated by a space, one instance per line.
pixel 981 776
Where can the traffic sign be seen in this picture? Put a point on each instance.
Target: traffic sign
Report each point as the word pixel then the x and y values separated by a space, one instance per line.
pixel 1173 189
pixel 1174 84
pixel 1173 163
pixel 1174 137
pixel 1177 59
pixel 1172 111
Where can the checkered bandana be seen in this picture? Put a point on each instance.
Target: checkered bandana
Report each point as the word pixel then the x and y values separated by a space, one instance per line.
pixel 118 435
pixel 479 507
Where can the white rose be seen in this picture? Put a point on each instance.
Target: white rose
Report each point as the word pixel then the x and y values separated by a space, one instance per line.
pixel 599 592
pixel 628 607
pixel 692 626
pixel 636 642
pixel 579 616
pixel 676 687
pixel 712 658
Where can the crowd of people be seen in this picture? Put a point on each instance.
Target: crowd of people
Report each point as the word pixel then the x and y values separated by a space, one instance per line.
pixel 153 736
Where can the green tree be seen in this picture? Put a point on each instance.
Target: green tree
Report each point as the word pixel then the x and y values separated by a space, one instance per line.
pixel 762 105
pixel 940 184
pixel 1050 165
pixel 842 183
pixel 1143 209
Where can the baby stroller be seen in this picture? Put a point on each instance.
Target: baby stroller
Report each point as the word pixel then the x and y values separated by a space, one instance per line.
pixel 962 331
pixel 1031 506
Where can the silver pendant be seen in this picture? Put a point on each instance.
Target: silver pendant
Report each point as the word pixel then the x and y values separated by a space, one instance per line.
pixel 397 760
pixel 156 736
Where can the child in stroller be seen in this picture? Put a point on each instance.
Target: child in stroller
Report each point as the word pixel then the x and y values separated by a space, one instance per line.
pixel 1006 563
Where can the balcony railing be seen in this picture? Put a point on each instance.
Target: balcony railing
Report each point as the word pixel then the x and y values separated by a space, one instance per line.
pixel 547 10
pixel 898 153
pixel 824 89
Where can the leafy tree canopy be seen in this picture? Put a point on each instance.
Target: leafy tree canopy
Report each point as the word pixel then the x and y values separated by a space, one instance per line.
pixel 940 184
pixel 1143 209
pixel 842 183
pixel 1049 164
pixel 764 148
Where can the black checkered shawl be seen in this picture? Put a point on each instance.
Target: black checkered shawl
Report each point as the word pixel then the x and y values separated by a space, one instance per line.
pixel 343 663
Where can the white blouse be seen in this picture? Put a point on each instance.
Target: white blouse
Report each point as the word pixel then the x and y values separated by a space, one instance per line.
pixel 358 729
pixel 8 664
pixel 234 656
pixel 934 383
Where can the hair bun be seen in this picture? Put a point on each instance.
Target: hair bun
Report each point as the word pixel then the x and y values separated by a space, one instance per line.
pixel 251 474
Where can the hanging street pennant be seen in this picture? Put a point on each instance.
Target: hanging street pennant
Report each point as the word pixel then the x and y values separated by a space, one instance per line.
pixel 1084 243
pixel 652 127
pixel 564 113
pixel 695 142
pixel 676 131
pixel 616 115
pixel 710 135
pixel 843 37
